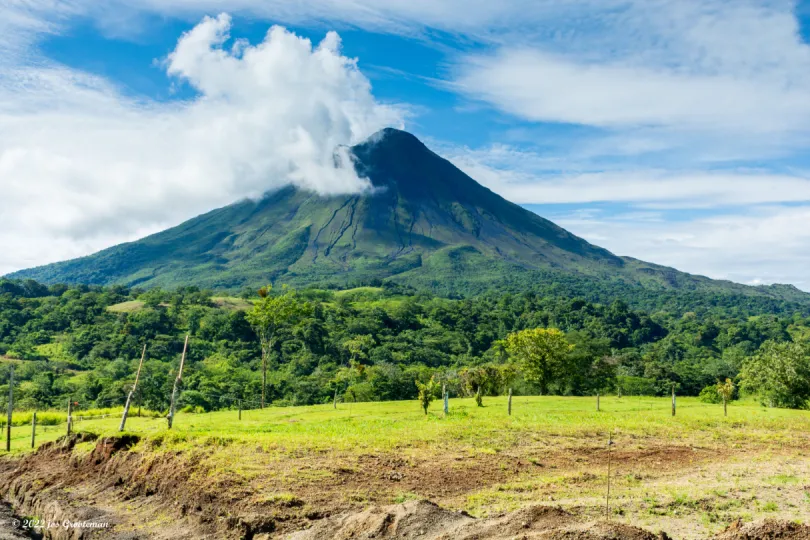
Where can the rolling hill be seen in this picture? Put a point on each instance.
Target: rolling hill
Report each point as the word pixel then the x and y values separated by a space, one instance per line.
pixel 425 223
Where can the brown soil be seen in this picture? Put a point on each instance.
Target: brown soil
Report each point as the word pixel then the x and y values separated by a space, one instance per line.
pixel 426 520
pixel 765 530
pixel 325 495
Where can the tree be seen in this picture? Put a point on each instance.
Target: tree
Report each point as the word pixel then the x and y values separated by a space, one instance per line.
pixel 268 316
pixel 487 379
pixel 427 392
pixel 725 390
pixel 359 347
pixel 541 352
pixel 779 374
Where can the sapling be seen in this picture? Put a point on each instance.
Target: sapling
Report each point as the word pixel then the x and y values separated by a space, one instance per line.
pixel 427 391
pixel 725 390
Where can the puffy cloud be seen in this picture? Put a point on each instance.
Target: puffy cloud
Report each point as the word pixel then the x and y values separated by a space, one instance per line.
pixel 82 166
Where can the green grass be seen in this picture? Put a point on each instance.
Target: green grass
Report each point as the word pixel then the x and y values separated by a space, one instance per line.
pixel 671 473
pixel 488 429
pixel 126 307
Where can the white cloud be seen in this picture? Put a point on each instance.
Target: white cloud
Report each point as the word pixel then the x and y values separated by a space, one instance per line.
pixel 714 80
pixel 528 178
pixel 82 167
pixel 543 87
pixel 764 245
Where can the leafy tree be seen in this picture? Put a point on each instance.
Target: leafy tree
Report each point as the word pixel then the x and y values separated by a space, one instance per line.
pixel 359 347
pixel 268 316
pixel 779 374
pixel 541 352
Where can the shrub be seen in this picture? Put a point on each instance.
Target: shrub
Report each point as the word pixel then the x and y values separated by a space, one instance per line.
pixel 710 395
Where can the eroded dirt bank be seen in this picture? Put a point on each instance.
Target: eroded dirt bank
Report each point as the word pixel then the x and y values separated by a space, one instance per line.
pixel 84 488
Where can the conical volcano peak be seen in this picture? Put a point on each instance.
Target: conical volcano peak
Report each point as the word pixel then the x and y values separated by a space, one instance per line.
pixel 389 136
pixel 393 158
pixel 390 143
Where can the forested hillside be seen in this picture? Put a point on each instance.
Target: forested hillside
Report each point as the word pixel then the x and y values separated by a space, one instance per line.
pixel 367 343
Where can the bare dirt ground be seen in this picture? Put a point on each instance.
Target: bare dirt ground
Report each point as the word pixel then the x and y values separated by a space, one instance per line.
pixel 554 489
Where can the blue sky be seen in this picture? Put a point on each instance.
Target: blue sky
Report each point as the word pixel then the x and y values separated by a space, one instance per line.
pixel 674 131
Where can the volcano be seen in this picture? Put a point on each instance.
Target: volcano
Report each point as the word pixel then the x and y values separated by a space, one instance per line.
pixel 425 223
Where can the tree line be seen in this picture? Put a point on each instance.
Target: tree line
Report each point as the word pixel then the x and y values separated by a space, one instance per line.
pixel 288 347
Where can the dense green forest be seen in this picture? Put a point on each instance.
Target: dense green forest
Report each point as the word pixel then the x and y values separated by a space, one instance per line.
pixel 373 343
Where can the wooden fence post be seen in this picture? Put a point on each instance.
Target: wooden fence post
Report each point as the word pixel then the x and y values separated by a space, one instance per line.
pixel 509 403
pixel 177 383
pixel 132 392
pixel 34 429
pixel 70 415
pixel 446 397
pixel 673 400
pixel 240 409
pixel 10 407
pixel 607 497
pixel 597 402
pixel 334 402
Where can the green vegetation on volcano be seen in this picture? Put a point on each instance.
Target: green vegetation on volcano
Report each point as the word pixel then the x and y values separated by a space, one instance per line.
pixel 424 224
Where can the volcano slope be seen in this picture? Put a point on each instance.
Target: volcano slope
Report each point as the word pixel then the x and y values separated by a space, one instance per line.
pixel 423 223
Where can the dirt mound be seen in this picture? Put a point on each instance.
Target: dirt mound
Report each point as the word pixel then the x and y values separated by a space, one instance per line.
pixel 105 448
pixel 417 518
pixel 608 531
pixel 428 521
pixel 765 530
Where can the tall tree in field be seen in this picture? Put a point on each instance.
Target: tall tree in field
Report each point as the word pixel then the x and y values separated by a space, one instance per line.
pixel 779 374
pixel 268 316
pixel 541 352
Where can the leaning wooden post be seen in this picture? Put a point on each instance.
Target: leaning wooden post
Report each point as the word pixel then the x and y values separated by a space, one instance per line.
pixel 597 402
pixel 673 400
pixel 34 429
pixel 177 384
pixel 69 416
pixel 607 497
pixel 132 392
pixel 509 403
pixel 10 407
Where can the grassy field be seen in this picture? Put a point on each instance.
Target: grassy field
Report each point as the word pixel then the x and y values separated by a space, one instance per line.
pixel 697 470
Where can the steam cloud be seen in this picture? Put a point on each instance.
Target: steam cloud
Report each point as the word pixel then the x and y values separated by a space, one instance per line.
pixel 83 167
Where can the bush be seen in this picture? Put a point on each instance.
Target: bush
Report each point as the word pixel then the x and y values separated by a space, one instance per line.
pixel 710 395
